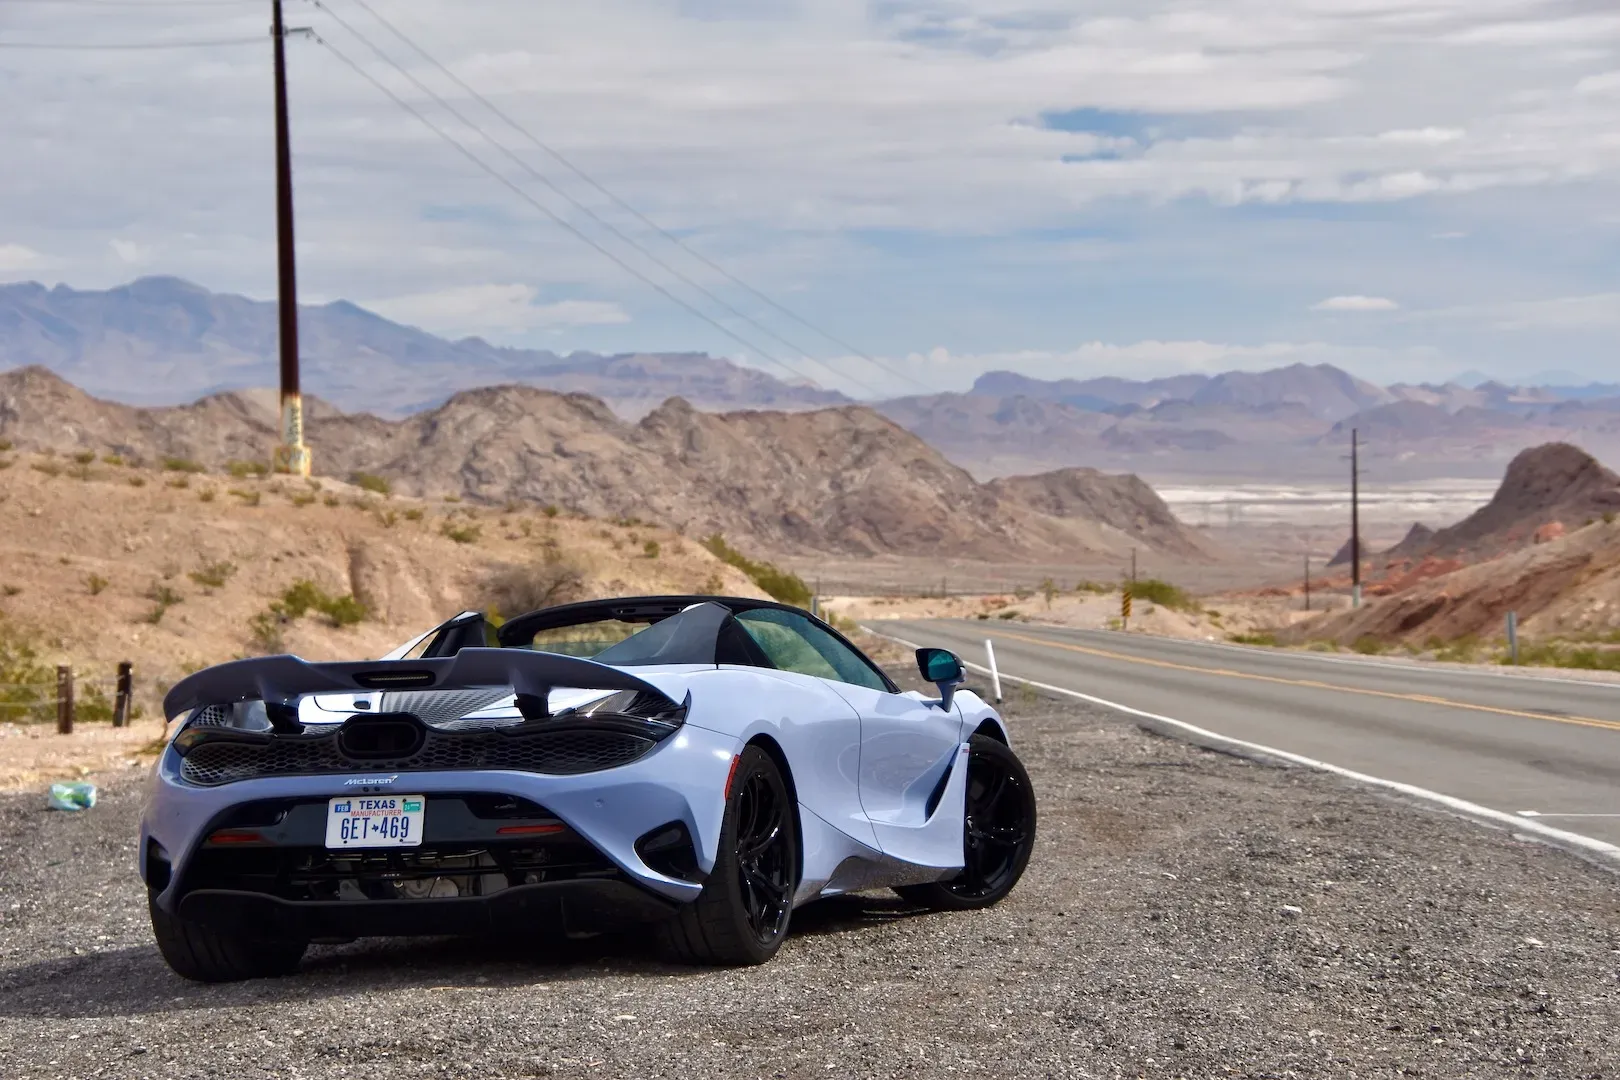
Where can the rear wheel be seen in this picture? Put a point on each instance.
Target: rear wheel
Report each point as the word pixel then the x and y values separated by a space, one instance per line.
pixel 205 954
pixel 998 832
pixel 742 915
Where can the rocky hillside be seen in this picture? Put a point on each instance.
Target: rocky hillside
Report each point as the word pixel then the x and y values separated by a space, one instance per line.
pixel 842 480
pixel 1567 587
pixel 103 561
pixel 1552 488
pixel 1124 502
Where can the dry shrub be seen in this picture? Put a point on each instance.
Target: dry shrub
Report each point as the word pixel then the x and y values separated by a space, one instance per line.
pixel 516 589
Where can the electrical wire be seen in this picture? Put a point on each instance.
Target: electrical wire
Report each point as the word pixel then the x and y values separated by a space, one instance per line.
pixel 553 215
pixel 127 46
pixel 561 159
pixel 587 211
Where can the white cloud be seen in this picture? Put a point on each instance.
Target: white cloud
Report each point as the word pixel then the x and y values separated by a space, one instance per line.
pixel 128 251
pixel 1355 303
pixel 494 310
pixel 15 257
pixel 1558 314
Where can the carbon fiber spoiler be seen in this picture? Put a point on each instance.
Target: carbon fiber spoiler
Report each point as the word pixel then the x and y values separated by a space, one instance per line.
pixel 282 680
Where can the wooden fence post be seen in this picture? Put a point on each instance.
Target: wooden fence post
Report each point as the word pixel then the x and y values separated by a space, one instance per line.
pixel 64 699
pixel 121 703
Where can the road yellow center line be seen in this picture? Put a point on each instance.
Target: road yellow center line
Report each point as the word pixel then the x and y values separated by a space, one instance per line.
pixel 1425 699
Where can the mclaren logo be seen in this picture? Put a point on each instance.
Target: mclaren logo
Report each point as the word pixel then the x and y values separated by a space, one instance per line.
pixel 368 781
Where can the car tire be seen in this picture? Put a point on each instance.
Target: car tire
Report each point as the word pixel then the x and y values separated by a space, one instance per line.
pixel 206 954
pixel 742 915
pixel 998 833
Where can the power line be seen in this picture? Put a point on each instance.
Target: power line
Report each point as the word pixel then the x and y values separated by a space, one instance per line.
pixel 561 159
pixel 544 209
pixel 582 208
pixel 137 3
pixel 127 46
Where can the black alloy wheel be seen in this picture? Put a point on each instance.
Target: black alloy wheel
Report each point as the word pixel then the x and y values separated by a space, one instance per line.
pixel 742 915
pixel 998 832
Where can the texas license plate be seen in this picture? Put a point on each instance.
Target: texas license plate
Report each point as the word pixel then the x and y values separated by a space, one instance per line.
pixel 373 821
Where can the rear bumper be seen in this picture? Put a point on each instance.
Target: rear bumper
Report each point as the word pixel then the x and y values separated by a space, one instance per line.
pixel 682 781
pixel 570 906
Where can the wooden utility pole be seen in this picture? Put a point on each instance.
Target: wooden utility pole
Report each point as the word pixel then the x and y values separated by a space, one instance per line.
pixel 292 456
pixel 1307 581
pixel 1355 522
pixel 64 699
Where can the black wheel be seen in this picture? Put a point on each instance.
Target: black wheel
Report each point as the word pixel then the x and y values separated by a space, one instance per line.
pixel 742 914
pixel 998 833
pixel 205 954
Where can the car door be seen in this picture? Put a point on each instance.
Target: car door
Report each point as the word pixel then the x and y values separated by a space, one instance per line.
pixel 907 744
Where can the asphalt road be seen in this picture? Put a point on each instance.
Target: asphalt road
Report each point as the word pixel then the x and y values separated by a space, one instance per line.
pixel 1512 743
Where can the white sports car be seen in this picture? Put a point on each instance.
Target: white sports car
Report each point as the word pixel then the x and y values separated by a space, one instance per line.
pixel 703 764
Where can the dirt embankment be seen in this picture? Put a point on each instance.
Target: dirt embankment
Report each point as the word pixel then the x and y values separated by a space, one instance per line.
pixel 100 562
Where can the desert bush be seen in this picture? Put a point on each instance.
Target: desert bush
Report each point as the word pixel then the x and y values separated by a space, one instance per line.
pixel 265 632
pixel 5 444
pixel 6 463
pixel 1258 637
pixel 213 575
pixel 206 495
pixel 1562 654
pixel 10 590
pixel 301 499
pixel 387 519
pixel 1164 594
pixel 85 457
pixel 1463 650
pixel 550 510
pixel 650 549
pixel 241 470
pixel 413 514
pixel 371 482
pixel 775 582
pixel 462 534
pixel 180 464
pixel 304 596
pixel 79 472
pixel 178 482
pixel 514 590
pixel 1369 645
pixel 249 498
pixel 452 498
pixel 1023 593
pixel 112 459
pixel 1049 589
pixel 49 468
pixel 1009 614
pixel 95 584
pixel 27 685
pixel 1608 517
pixel 331 501
pixel 137 481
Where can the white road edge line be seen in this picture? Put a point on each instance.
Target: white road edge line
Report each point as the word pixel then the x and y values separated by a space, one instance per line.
pixel 1574 842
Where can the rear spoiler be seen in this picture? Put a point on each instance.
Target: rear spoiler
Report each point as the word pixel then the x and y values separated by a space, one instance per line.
pixel 282 680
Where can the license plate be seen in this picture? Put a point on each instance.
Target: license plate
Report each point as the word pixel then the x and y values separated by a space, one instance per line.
pixel 374 821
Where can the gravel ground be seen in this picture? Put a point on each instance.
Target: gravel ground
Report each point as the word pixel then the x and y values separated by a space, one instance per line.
pixel 1187 914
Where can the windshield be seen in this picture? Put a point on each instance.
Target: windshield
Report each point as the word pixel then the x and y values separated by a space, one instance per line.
pixel 585 639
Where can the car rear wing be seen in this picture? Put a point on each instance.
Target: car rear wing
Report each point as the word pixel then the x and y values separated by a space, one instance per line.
pixel 283 680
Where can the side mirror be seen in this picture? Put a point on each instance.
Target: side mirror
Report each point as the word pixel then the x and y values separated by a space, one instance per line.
pixel 942 668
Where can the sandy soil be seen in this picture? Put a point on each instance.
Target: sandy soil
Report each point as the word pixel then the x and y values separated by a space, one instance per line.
pixel 101 563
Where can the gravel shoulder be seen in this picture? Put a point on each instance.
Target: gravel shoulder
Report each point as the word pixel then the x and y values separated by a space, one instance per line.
pixel 1187 914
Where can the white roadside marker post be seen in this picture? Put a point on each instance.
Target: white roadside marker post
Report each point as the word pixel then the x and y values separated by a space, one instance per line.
pixel 995 676
pixel 1513 637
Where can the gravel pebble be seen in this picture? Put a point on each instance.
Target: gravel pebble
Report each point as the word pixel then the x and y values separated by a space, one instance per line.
pixel 1187 914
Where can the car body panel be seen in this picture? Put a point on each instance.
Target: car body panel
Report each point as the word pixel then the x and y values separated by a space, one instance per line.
pixel 879 777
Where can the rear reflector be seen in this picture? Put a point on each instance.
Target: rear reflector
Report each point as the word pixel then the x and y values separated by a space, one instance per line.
pixel 529 830
pixel 235 836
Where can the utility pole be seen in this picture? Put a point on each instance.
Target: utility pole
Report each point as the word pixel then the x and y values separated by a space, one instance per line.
pixel 1307 581
pixel 1355 523
pixel 292 456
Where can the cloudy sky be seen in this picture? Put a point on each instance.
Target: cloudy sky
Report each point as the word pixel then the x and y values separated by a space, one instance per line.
pixel 1407 188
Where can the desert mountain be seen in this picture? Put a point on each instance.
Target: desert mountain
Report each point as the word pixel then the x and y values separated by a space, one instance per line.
pixel 1125 502
pixel 841 480
pixel 160 340
pixel 1553 485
